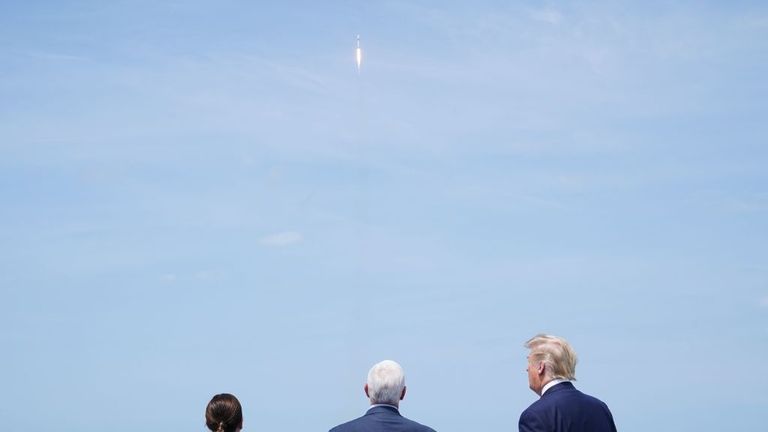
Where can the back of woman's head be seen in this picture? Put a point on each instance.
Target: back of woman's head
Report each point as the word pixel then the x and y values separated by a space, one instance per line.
pixel 224 413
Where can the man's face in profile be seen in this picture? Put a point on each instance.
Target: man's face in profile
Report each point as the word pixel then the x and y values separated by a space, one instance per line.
pixel 534 380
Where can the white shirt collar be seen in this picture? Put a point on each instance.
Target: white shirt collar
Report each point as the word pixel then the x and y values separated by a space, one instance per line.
pixel 551 384
pixel 382 405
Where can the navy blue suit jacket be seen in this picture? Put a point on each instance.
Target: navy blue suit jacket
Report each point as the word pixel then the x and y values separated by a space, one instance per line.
pixel 562 408
pixel 382 419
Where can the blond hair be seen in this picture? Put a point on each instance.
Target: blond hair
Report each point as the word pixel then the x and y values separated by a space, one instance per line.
pixel 556 353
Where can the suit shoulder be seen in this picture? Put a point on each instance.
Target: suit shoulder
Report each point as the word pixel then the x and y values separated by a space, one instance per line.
pixel 416 426
pixel 346 426
pixel 593 400
pixel 538 406
pixel 368 423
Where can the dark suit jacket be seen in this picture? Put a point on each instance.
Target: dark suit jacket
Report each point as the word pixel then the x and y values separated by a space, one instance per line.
pixel 382 419
pixel 565 409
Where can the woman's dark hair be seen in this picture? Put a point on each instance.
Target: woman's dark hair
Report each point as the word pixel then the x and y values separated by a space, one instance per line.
pixel 224 413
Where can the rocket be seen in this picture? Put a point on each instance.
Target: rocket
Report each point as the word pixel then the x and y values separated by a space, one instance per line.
pixel 358 54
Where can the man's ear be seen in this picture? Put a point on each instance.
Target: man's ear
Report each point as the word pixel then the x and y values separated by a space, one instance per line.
pixel 365 388
pixel 541 368
pixel 402 395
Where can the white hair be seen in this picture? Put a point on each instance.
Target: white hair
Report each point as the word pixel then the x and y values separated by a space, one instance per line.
pixel 556 353
pixel 386 381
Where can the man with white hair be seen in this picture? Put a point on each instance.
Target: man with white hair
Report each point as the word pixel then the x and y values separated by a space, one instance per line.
pixel 561 408
pixel 385 388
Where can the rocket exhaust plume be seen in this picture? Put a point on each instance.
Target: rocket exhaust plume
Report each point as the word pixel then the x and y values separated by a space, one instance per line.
pixel 358 54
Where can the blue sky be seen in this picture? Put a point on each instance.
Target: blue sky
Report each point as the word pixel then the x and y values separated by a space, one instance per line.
pixel 204 197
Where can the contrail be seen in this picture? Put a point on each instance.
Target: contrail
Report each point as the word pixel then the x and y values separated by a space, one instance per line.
pixel 358 54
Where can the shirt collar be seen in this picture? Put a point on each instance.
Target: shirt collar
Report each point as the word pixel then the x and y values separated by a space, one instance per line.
pixel 382 405
pixel 551 384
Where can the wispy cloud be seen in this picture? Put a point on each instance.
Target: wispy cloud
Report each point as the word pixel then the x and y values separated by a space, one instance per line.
pixel 55 56
pixel 731 201
pixel 550 16
pixel 200 275
pixel 207 275
pixel 169 277
pixel 281 239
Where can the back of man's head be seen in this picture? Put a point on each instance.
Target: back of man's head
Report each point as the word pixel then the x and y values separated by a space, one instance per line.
pixel 386 381
pixel 556 353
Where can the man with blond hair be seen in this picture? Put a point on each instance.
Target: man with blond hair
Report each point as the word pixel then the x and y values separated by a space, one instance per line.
pixel 561 408
pixel 385 388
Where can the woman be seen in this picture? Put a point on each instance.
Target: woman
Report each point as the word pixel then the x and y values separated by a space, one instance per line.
pixel 224 414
